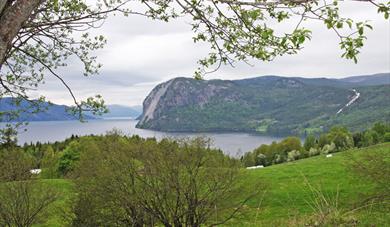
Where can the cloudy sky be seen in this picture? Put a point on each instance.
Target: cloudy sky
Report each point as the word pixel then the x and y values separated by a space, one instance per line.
pixel 142 53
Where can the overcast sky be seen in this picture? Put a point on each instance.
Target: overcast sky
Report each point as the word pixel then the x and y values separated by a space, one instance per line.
pixel 142 53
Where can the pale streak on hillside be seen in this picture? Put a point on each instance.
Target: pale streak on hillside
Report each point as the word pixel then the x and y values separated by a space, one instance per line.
pixel 149 112
pixel 354 98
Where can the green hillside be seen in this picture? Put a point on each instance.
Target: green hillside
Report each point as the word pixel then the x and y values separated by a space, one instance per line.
pixel 269 105
pixel 373 105
pixel 287 192
pixel 288 195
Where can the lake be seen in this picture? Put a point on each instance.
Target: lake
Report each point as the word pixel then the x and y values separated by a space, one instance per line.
pixel 234 144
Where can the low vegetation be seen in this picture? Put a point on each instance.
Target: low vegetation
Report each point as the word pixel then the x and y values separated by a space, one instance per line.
pixel 336 140
pixel 318 191
pixel 118 180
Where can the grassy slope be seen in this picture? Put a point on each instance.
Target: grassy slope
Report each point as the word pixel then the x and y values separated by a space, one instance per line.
pixel 59 211
pixel 287 196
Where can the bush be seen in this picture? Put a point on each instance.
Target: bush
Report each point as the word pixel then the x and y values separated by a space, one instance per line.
pixel 293 155
pixel 49 164
pixel 323 140
pixel 313 152
pixel 248 159
pixel 279 159
pixel 310 142
pixel 370 137
pixel 122 185
pixel 23 199
pixel 70 155
pixel 374 166
pixel 261 159
pixel 328 148
pixel 341 138
pixel 386 137
pixel 15 165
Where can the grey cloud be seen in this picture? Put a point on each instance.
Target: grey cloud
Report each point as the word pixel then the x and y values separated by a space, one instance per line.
pixel 141 53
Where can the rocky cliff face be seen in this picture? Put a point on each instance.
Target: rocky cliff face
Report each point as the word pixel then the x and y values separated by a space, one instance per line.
pixel 151 102
pixel 180 93
pixel 270 104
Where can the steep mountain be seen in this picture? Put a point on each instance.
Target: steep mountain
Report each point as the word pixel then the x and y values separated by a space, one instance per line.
pixel 269 104
pixel 117 111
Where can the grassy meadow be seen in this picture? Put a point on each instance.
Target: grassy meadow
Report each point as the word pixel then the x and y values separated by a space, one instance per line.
pixel 287 193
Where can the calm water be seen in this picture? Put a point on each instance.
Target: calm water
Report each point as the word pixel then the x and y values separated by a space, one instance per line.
pixel 49 131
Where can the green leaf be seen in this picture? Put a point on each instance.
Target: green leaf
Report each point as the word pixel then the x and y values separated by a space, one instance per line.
pixel 301 39
pixel 360 30
pixel 369 26
pixel 349 22
pixel 56 5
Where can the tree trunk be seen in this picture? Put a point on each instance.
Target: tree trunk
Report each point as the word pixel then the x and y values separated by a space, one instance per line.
pixel 11 21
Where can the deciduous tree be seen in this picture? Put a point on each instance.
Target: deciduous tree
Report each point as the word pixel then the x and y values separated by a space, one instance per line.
pixel 168 183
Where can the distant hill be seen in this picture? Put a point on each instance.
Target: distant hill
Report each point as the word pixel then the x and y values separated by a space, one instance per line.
pixel 54 112
pixel 370 80
pixel 50 112
pixel 119 111
pixel 349 82
pixel 268 104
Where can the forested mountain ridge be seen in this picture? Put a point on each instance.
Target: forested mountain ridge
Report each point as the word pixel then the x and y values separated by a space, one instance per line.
pixel 268 104
pixel 27 111
pixel 55 112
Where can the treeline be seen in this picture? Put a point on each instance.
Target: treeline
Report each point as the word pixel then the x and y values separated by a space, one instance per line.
pixel 337 139
pixel 59 158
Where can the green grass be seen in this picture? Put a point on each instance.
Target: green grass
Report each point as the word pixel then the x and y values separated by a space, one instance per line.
pixel 264 125
pixel 59 212
pixel 285 195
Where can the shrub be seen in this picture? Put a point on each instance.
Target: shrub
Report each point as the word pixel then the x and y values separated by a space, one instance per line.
pixel 313 152
pixel 261 159
pixel 323 140
pixel 248 159
pixel 310 142
pixel 123 185
pixel 15 165
pixel 374 166
pixel 289 144
pixel 341 137
pixel 70 155
pixel 387 137
pixel 370 137
pixel 328 148
pixel 49 164
pixel 293 155
pixel 279 159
